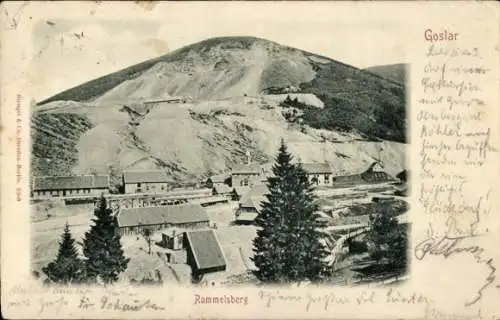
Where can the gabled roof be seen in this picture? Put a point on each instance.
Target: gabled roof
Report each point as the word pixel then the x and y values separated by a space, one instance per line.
pixel 246 216
pixel 153 176
pixel 206 249
pixel 243 168
pixel 220 178
pixel 70 182
pixel 222 188
pixel 357 170
pixel 241 191
pixel 174 214
pixel 317 168
pixel 253 202
pixel 258 190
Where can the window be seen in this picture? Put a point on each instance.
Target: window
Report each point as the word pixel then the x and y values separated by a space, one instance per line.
pixel 327 178
pixel 138 185
pixel 244 182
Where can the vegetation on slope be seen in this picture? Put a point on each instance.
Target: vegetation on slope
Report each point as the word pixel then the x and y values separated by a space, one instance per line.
pixel 395 72
pixel 54 142
pixel 357 100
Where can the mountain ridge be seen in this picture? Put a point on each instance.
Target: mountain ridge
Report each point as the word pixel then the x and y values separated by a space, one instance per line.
pixel 112 123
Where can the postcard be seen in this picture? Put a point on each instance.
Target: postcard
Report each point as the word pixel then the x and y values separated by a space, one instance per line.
pixel 317 160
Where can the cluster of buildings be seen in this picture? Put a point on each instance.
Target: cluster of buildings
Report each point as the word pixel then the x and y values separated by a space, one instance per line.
pixel 44 187
pixel 248 183
pixel 187 234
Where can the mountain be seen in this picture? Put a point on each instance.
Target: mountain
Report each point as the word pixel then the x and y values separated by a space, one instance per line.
pixel 216 100
pixel 394 72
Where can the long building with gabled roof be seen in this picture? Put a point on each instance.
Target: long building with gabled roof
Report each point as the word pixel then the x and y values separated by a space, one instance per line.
pixel 135 220
pixel 44 187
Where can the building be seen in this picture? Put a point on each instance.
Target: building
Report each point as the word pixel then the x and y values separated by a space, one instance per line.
pixel 222 189
pixel 189 215
pixel 220 179
pixel 65 186
pixel 319 174
pixel 186 99
pixel 250 204
pixel 372 173
pixel 250 174
pixel 204 253
pixel 173 239
pixel 239 192
pixel 154 181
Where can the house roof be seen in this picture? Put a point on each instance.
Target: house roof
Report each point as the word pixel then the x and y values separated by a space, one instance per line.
pixel 241 191
pixel 220 178
pixel 206 249
pixel 258 190
pixel 317 167
pixel 154 176
pixel 357 170
pixel 71 182
pixel 243 168
pixel 246 216
pixel 253 202
pixel 174 214
pixel 222 188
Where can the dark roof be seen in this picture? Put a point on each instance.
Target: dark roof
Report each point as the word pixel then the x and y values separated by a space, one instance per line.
pixel 154 176
pixel 174 214
pixel 317 167
pixel 206 249
pixel 70 182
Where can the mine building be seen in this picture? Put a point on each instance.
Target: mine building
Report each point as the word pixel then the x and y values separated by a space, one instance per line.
pixel 250 204
pixel 152 181
pixel 204 253
pixel 372 173
pixel 44 187
pixel 135 220
pixel 319 174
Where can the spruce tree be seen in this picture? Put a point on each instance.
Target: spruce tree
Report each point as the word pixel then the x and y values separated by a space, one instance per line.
pixel 67 267
pixel 287 247
pixel 105 258
pixel 388 240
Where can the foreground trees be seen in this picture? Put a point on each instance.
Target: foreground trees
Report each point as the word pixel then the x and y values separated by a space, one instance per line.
pixel 287 248
pixel 104 257
pixel 67 267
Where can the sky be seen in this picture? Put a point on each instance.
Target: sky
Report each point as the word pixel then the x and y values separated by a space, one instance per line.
pixel 67 52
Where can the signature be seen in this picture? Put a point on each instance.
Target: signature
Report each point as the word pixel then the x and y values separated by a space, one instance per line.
pixel 447 246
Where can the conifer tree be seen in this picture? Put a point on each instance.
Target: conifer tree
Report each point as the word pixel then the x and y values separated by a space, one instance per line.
pixel 388 240
pixel 105 258
pixel 287 247
pixel 67 267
